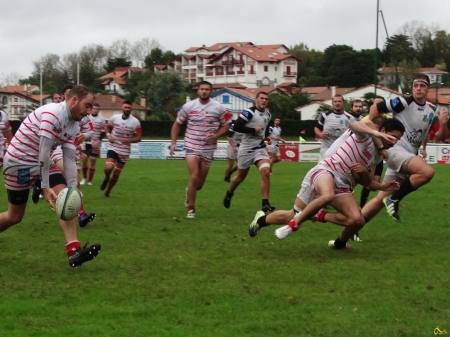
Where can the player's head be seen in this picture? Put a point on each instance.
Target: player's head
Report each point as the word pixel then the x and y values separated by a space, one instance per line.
pixel 79 100
pixel 378 99
pixel 262 98
pixel 65 90
pixel 420 86
pixel 338 103
pixel 204 90
pixel 126 108
pixel 95 109
pixel 57 98
pixel 390 126
pixel 357 107
pixel 276 122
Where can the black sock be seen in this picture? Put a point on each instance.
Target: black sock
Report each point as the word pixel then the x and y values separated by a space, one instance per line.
pixel 405 189
pixel 229 195
pixel 338 244
pixel 262 221
pixel 265 202
pixel 364 196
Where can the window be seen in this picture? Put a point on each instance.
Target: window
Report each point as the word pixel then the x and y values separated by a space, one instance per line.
pixel 276 68
pixel 225 99
pixel 266 68
pixel 5 100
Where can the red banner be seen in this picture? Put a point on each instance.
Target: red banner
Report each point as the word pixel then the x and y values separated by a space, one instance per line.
pixel 289 152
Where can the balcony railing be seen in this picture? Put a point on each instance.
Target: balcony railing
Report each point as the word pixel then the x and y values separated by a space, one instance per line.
pixel 289 74
pixel 235 61
pixel 252 72
pixel 219 73
pixel 209 73
pixel 230 73
pixel 240 72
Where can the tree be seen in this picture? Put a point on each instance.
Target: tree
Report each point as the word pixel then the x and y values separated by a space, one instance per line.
pixel 136 85
pixel 163 88
pixel 10 79
pixel 116 62
pixel 282 106
pixel 300 98
pixel 398 48
pixel 141 49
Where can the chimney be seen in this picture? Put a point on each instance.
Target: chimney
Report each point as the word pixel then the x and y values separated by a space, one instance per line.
pixel 25 87
pixel 333 91
pixel 143 102
pixel 113 98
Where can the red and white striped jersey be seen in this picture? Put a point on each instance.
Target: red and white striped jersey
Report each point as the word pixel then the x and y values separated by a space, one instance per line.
pixel 5 126
pixel 98 123
pixel 52 121
pixel 87 127
pixel 123 129
pixel 355 149
pixel 201 121
pixel 57 155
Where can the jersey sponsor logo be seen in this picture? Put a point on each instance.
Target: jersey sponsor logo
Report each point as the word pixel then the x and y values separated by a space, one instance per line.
pixel 415 138
pixel 395 102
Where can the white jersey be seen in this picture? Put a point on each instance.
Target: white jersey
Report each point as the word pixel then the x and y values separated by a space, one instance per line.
pixel 357 148
pixel 98 123
pixel 334 125
pixel 123 129
pixel 87 127
pixel 275 132
pixel 52 121
pixel 236 137
pixel 417 119
pixel 5 126
pixel 202 119
pixel 253 117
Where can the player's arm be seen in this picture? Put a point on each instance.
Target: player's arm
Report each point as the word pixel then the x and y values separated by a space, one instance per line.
pixel 239 125
pixel 45 147
pixel 108 130
pixel 135 139
pixel 174 135
pixel 369 128
pixel 70 165
pixel 318 129
pixel 442 120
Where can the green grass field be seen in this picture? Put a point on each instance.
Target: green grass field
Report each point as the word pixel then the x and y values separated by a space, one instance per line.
pixel 160 274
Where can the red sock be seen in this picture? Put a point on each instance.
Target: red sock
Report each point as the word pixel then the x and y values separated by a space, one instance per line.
pixel 293 225
pixel 321 215
pixel 111 184
pixel 81 212
pixel 91 174
pixel 84 169
pixel 72 247
pixel 191 208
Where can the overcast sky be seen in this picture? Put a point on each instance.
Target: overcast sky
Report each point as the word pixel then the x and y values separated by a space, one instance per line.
pixel 31 29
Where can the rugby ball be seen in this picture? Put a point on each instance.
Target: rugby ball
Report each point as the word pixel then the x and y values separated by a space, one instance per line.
pixel 68 203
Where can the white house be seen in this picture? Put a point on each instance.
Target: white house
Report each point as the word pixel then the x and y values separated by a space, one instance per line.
pixel 250 65
pixel 17 100
pixel 114 80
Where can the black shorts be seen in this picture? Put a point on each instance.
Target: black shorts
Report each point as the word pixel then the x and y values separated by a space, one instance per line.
pixel 113 155
pixel 379 169
pixel 57 179
pixel 18 197
pixel 88 150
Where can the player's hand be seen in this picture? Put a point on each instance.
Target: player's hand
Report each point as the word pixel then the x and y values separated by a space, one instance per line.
pixel 172 149
pixel 235 149
pixel 443 117
pixel 389 138
pixel 211 137
pixel 50 196
pixel 258 129
pixel 358 168
pixel 390 186
pixel 110 139
pixel 81 138
pixel 96 143
pixel 384 154
pixel 323 135
pixel 125 141
pixel 423 152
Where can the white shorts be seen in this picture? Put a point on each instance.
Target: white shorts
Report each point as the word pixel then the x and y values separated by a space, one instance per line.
pixel 307 191
pixel 397 156
pixel 19 177
pixel 274 149
pixel 206 157
pixel 247 158
pixel 230 153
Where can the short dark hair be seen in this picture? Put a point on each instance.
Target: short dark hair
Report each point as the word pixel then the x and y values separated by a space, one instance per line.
pixel 380 97
pixel 356 101
pixel 67 87
pixel 127 102
pixel 206 83
pixel 392 124
pixel 79 91
pixel 422 78
pixel 261 93
pixel 338 95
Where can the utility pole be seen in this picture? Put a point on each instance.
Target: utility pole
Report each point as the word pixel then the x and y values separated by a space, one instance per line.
pixel 40 87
